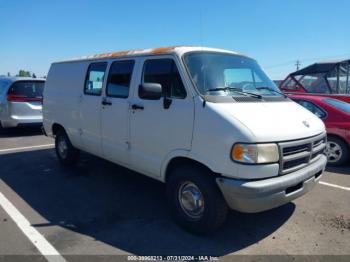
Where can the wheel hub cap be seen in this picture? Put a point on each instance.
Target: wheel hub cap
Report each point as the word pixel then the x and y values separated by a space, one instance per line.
pixel 333 152
pixel 62 147
pixel 191 200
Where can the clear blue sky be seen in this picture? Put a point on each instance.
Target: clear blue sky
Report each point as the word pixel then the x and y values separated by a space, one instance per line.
pixel 276 33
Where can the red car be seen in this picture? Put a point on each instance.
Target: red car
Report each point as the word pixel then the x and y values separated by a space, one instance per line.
pixel 336 116
pixel 327 79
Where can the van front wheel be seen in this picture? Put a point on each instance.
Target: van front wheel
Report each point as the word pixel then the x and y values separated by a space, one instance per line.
pixel 195 200
pixel 67 154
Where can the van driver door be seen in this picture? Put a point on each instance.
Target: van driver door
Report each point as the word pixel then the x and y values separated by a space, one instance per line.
pixel 158 127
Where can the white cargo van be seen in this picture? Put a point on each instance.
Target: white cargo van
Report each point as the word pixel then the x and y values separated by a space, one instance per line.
pixel 207 122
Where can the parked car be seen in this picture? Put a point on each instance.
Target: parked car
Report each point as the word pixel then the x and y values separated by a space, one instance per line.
pixel 336 116
pixel 207 122
pixel 328 79
pixel 21 101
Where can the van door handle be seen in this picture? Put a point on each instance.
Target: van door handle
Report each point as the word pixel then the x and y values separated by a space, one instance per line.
pixel 106 103
pixel 137 107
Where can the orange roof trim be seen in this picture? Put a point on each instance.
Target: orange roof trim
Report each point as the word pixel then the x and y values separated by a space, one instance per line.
pixel 159 50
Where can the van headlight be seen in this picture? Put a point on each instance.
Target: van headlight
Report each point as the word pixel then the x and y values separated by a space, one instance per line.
pixel 255 153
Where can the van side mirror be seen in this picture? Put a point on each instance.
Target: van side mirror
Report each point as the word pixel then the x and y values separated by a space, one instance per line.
pixel 150 91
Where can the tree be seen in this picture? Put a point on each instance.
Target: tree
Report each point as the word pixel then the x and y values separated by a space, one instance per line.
pixel 24 73
pixel 33 75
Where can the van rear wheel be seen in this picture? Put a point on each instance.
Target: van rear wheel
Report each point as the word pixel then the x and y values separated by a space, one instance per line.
pixel 67 154
pixel 195 200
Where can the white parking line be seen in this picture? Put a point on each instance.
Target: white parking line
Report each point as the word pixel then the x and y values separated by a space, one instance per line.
pixel 25 148
pixel 336 186
pixel 44 247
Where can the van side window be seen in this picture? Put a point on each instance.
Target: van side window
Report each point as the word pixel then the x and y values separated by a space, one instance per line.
pixel 119 79
pixel 164 72
pixel 94 78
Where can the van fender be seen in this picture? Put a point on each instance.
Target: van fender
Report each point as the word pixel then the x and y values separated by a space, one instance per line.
pixel 186 154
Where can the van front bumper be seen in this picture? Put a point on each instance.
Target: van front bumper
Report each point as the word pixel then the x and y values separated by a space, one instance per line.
pixel 255 196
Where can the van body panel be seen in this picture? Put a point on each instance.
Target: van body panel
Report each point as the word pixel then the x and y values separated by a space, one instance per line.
pixel 149 147
pixel 219 132
pixel 62 99
pixel 171 156
pixel 90 124
pixel 269 122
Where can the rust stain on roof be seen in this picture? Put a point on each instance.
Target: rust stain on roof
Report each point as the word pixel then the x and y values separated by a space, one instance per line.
pixel 126 53
pixel 159 50
pixel 119 53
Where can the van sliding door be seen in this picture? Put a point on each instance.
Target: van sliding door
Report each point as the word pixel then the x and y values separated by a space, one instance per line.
pixel 115 112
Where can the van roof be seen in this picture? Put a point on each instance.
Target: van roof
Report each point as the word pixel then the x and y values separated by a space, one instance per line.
pixel 180 50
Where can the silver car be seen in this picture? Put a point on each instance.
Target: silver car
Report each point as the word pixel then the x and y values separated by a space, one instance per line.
pixel 21 101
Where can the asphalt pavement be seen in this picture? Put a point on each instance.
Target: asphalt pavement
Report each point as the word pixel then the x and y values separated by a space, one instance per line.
pixel 98 209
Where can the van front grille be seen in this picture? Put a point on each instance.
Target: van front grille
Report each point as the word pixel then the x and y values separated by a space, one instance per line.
pixel 297 154
pixel 296 162
pixel 295 149
pixel 314 155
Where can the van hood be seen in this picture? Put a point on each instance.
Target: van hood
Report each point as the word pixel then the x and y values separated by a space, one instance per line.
pixel 273 121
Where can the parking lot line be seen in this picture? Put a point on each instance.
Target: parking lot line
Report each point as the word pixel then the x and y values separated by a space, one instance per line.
pixel 335 186
pixel 44 247
pixel 26 147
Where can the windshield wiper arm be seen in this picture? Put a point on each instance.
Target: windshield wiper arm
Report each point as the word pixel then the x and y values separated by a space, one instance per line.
pixel 236 90
pixel 271 90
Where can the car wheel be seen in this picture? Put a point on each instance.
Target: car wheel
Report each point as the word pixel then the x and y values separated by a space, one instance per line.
pixel 195 200
pixel 67 154
pixel 337 151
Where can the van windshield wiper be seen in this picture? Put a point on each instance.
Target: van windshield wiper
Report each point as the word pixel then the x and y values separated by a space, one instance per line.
pixel 271 90
pixel 235 90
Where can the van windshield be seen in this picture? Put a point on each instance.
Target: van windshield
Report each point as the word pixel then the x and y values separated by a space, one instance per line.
pixel 220 74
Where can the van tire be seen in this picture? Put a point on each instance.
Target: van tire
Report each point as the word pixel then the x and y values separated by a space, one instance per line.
pixel 343 149
pixel 66 153
pixel 215 208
